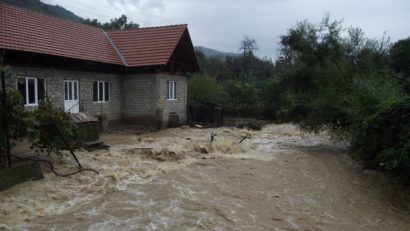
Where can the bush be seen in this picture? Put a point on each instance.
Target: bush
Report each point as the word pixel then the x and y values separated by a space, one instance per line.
pixel 205 89
pixel 47 125
pixel 16 116
pixel 384 139
pixel 242 98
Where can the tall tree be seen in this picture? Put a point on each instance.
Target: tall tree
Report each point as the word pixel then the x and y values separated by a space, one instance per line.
pixel 400 61
pixel 248 46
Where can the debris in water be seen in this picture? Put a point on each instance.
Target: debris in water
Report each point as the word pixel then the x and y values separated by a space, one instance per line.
pixel 248 136
pixel 213 136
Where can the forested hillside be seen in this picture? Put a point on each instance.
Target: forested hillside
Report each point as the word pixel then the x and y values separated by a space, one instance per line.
pixel 60 12
pixel 214 53
pixel 39 6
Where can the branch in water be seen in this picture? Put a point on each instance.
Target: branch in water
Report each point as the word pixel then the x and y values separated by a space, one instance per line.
pixel 50 166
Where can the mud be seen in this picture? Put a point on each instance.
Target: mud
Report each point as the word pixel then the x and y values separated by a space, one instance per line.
pixel 278 179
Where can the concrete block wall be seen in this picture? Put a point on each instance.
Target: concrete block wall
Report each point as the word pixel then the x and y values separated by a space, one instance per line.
pixel 138 95
pixel 112 109
pixel 55 89
pixel 134 98
pixel 54 82
pixel 177 106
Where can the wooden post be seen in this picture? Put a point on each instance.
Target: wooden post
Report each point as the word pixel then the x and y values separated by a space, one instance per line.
pixel 5 119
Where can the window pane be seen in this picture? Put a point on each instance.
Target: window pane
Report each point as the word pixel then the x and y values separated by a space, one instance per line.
pixel 107 91
pixel 75 91
pixel 31 91
pixel 100 91
pixel 21 87
pixel 70 90
pixel 95 91
pixel 174 90
pixel 65 90
pixel 41 89
pixel 167 89
pixel 170 89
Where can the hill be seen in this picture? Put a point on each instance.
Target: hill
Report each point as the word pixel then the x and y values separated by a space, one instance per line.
pixel 208 52
pixel 39 6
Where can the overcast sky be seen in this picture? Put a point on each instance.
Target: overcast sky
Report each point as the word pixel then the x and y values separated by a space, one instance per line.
pixel 221 24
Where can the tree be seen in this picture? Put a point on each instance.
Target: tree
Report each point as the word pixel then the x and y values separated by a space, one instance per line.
pixel 400 61
pixel 400 56
pixel 205 89
pixel 334 81
pixel 248 46
pixel 16 114
pixel 115 23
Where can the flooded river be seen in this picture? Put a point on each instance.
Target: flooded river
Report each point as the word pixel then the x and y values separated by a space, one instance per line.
pixel 176 179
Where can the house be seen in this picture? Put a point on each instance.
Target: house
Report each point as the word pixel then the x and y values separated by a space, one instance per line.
pixel 129 76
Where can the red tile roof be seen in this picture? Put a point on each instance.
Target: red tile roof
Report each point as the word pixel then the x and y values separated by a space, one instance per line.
pixel 26 30
pixel 147 46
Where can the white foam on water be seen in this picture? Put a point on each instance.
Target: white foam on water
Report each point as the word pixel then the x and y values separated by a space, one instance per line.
pixel 133 193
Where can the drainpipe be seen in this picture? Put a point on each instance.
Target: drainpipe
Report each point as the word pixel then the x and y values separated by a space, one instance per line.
pixel 4 103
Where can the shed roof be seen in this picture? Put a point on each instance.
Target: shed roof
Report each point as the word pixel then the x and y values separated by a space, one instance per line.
pixel 26 30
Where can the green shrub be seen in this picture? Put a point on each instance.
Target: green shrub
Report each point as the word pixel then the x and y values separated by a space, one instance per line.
pixel 205 89
pixel 241 98
pixel 47 125
pixel 384 139
pixel 16 114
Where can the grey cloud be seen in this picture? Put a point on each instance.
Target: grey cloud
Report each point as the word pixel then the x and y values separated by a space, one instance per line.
pixel 221 24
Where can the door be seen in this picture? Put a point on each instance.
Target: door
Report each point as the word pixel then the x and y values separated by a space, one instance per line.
pixel 71 102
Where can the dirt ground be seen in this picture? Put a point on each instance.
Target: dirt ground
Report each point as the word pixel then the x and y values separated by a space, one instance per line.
pixel 176 179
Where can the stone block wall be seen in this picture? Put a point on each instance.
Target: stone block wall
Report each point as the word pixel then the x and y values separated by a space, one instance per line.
pixel 139 99
pixel 55 89
pixel 138 94
pixel 177 106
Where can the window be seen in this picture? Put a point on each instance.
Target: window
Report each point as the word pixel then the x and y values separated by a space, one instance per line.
pixel 32 90
pixel 171 90
pixel 101 91
pixel 70 90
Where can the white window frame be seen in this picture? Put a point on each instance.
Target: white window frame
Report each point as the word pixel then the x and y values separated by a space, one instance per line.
pixel 73 83
pixel 171 90
pixel 103 92
pixel 26 79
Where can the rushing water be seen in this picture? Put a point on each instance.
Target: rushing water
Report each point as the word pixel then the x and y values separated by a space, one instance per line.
pixel 279 179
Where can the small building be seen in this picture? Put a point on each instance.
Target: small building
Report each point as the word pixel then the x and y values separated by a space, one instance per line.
pixel 128 76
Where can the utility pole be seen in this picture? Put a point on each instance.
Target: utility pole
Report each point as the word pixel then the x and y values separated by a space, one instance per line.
pixel 4 103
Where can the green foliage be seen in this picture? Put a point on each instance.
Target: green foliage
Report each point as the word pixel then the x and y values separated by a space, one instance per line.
pixel 349 84
pixel 334 81
pixel 241 98
pixel 16 116
pixel 116 23
pixel 384 140
pixel 236 83
pixel 47 125
pixel 203 88
pixel 400 61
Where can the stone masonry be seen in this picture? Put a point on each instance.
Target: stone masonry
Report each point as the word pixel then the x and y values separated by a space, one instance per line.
pixel 134 98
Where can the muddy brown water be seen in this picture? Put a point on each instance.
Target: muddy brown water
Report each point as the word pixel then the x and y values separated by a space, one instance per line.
pixel 279 179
